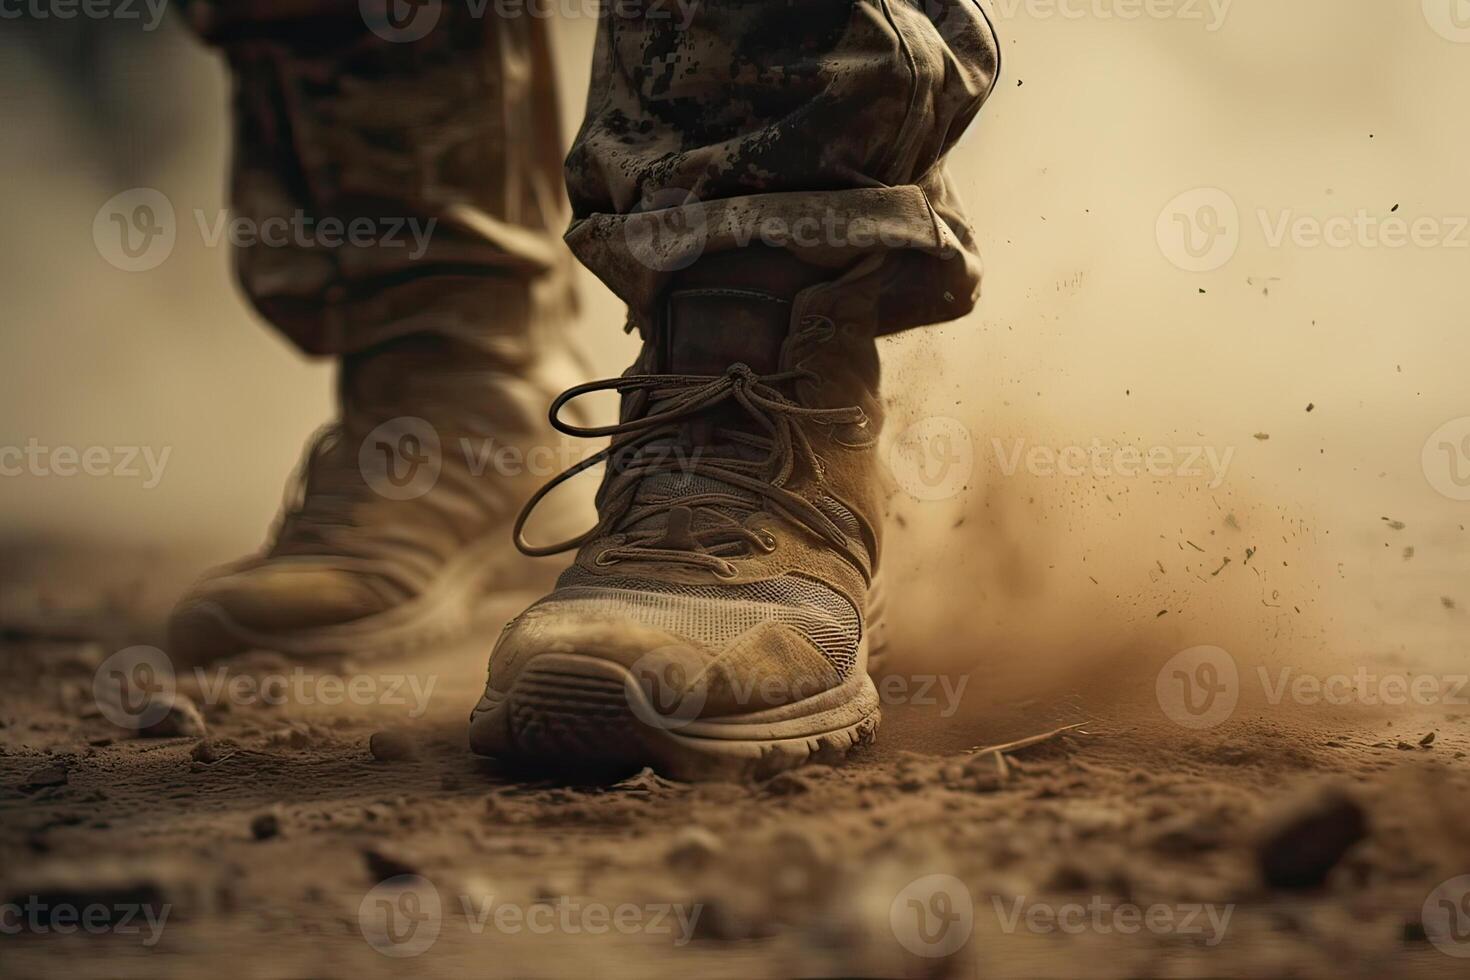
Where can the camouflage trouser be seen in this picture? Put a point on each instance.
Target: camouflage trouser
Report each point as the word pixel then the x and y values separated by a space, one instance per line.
pixel 818 126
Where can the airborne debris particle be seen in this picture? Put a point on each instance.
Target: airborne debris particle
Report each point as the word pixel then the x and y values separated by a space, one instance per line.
pixel 1263 436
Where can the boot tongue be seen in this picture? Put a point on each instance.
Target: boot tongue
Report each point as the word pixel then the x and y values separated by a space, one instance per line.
pixel 710 329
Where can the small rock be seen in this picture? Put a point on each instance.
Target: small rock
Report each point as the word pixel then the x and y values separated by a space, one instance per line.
pixel 790 783
pixel 383 863
pixel 1308 837
pixel 798 865
pixel 46 776
pixel 206 751
pixel 693 850
pixel 264 826
pixel 1427 740
pixel 181 718
pixel 291 738
pixel 392 747
pixel 646 781
pixel 1067 876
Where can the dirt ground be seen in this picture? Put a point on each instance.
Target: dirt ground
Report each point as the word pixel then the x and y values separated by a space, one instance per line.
pixel 286 841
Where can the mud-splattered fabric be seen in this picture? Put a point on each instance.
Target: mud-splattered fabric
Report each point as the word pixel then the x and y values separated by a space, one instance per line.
pixel 819 126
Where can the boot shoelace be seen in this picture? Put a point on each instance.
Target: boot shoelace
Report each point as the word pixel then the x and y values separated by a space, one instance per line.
pixel 649 444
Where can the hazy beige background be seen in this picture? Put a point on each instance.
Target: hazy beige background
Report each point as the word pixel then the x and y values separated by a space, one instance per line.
pixel 1087 330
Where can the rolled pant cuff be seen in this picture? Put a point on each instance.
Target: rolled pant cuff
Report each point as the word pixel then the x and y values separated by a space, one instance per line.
pixel 927 269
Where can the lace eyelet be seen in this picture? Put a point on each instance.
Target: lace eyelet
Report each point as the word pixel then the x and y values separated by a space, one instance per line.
pixel 727 571
pixel 602 561
pixel 766 540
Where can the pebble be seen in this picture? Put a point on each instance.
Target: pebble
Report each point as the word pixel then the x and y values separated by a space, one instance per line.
pixel 46 776
pixel 1308 837
pixel 693 850
pixel 264 826
pixel 392 747
pixel 181 718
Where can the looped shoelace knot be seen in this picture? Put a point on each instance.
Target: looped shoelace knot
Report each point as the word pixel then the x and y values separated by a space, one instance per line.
pixel 649 445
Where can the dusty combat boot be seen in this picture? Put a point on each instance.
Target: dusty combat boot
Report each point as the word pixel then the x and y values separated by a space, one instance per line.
pixel 715 620
pixel 397 526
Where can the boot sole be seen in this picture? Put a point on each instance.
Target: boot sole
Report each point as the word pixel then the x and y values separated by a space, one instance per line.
pixel 569 710
pixel 444 613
